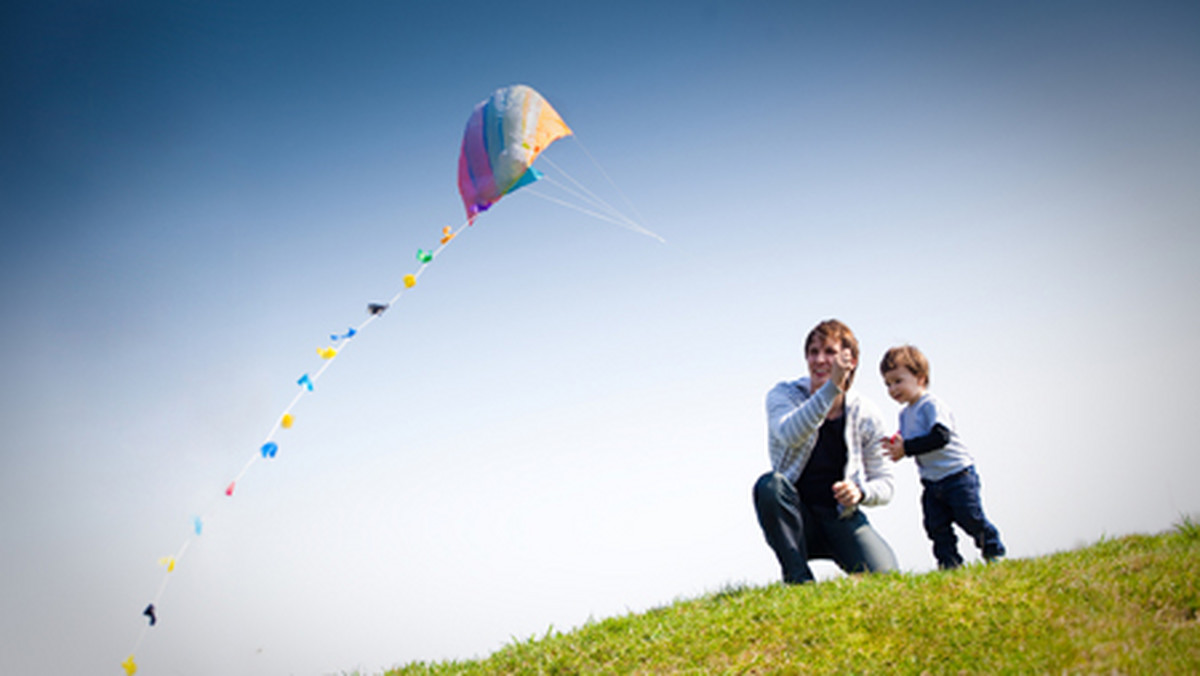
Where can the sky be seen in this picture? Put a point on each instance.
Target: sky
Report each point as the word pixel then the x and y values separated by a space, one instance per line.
pixel 563 420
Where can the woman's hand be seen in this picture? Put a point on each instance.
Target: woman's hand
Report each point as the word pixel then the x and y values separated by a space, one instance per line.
pixel 847 493
pixel 842 368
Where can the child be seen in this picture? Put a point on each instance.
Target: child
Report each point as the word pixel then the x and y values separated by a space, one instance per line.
pixel 947 470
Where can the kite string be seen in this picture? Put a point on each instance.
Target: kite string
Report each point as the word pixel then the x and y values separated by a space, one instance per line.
pixel 342 345
pixel 342 342
pixel 449 237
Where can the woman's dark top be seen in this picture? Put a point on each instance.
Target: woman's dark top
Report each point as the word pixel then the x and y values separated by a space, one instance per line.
pixel 826 466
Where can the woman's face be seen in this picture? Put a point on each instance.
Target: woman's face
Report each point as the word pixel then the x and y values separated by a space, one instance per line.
pixel 820 355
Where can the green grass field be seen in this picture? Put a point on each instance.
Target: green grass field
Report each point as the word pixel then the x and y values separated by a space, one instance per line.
pixel 1127 605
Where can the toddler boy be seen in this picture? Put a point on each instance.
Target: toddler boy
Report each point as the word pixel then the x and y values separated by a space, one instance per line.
pixel 951 485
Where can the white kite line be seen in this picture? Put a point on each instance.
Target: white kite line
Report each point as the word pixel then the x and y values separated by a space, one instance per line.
pixel 268 447
pixel 599 209
pixel 610 213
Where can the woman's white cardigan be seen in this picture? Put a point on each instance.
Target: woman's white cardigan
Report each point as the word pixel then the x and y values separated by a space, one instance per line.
pixel 793 417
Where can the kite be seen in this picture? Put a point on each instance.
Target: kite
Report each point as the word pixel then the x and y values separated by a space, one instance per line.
pixel 504 135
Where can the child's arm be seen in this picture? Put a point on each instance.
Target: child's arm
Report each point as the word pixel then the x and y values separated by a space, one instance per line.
pixel 937 438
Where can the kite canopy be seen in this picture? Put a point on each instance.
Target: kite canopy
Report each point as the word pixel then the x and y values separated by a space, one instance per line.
pixel 504 135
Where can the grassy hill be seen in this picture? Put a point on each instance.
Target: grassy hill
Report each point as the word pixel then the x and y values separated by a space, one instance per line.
pixel 1127 605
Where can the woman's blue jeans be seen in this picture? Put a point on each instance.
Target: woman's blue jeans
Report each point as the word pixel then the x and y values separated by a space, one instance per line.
pixel 799 532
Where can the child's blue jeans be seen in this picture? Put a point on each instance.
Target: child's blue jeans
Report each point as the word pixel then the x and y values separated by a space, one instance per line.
pixel 956 500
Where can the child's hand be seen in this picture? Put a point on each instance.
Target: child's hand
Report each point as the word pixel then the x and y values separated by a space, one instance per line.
pixel 893 447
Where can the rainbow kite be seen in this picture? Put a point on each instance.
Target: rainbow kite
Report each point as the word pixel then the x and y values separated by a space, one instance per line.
pixel 504 135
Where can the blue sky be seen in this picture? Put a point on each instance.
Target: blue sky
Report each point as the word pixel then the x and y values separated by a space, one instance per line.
pixel 563 420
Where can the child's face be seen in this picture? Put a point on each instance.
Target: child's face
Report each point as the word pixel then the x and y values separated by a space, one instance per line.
pixel 903 386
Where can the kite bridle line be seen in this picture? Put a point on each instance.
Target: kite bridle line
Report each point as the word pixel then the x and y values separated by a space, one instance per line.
pixel 612 214
pixel 624 223
pixel 589 197
pixel 341 343
pixel 608 178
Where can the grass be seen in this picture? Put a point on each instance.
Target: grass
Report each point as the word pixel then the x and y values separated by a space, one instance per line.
pixel 1126 605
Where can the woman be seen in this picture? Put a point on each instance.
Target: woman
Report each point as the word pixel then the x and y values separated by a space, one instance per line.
pixel 826 447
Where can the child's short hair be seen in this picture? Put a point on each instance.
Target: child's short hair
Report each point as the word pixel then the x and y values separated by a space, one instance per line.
pixel 908 357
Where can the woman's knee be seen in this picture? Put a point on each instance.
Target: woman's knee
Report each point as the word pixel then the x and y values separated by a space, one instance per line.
pixel 771 487
pixel 874 553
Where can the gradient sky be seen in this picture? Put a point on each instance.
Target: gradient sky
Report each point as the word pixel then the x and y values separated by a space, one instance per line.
pixel 563 420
